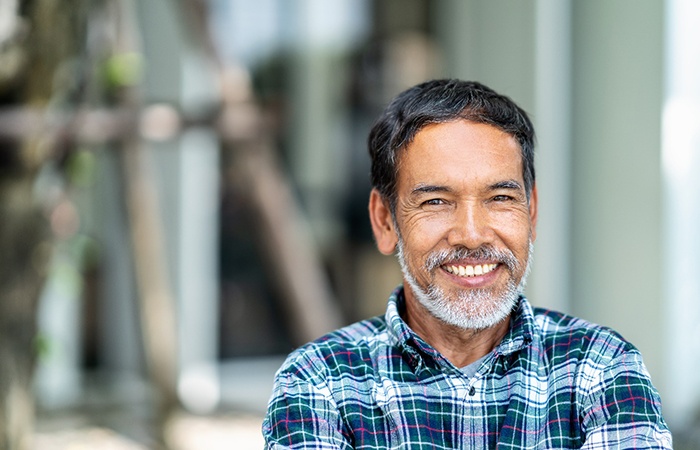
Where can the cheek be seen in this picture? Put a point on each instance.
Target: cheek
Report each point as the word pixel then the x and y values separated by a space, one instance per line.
pixel 424 234
pixel 513 229
pixel 517 237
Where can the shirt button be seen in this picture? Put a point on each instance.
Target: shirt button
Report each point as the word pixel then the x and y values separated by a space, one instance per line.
pixel 472 391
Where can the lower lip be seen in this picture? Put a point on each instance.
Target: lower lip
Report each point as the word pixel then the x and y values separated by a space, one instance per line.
pixel 477 281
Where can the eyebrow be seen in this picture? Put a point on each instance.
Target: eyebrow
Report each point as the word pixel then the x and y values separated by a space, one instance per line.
pixel 429 188
pixel 507 184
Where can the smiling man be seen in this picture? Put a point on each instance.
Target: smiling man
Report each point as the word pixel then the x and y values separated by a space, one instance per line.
pixel 461 359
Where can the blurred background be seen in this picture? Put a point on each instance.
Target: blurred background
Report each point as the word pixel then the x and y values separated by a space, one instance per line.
pixel 183 190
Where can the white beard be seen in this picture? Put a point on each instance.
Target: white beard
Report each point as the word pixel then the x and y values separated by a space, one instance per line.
pixel 475 309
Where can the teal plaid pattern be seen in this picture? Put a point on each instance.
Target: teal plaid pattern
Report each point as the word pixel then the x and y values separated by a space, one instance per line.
pixel 554 382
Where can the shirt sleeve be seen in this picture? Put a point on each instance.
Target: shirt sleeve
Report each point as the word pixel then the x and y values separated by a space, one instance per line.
pixel 623 409
pixel 302 415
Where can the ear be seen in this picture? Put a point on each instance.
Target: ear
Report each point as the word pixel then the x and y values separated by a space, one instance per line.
pixel 382 224
pixel 533 211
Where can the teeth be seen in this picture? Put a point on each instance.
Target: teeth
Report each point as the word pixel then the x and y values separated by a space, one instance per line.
pixel 470 271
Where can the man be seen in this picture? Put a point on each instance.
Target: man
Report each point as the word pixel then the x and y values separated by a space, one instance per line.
pixel 461 359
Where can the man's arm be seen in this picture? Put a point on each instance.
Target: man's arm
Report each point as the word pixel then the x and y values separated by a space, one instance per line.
pixel 623 409
pixel 301 415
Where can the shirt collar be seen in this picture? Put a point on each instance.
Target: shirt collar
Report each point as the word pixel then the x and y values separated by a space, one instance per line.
pixel 522 329
pixel 519 335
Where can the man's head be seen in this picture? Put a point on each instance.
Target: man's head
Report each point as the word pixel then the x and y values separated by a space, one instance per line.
pixel 440 101
pixel 453 175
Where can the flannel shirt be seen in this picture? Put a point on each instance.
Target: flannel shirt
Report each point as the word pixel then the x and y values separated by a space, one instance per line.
pixel 554 381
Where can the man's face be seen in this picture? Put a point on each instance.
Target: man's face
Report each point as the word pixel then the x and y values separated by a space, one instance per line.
pixel 465 225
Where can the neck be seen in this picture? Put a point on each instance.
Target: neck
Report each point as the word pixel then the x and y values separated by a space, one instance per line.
pixel 459 345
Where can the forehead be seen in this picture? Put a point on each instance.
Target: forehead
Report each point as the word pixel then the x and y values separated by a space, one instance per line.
pixel 460 151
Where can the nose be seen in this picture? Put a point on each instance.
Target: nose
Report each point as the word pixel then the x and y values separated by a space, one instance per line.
pixel 471 226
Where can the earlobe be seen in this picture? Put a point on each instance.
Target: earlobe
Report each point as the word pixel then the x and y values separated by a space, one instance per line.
pixel 382 223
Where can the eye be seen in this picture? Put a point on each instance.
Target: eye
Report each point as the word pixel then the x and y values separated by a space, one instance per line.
pixel 434 202
pixel 503 198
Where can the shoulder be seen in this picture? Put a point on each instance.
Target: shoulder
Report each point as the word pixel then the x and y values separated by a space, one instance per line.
pixel 564 337
pixel 338 352
pixel 304 409
pixel 605 370
pixel 616 399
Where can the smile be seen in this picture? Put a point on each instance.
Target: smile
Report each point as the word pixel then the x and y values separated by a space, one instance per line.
pixel 470 270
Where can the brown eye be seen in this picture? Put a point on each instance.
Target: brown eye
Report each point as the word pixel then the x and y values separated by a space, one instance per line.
pixel 503 198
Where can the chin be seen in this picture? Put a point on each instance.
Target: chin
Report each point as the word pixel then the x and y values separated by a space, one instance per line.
pixel 474 310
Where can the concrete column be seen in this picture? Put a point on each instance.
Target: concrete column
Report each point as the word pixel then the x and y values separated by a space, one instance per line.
pixel 616 252
pixel 681 215
pixel 119 332
pixel 197 270
pixel 549 285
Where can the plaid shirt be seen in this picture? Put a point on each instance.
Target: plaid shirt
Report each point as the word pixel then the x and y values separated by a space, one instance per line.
pixel 554 381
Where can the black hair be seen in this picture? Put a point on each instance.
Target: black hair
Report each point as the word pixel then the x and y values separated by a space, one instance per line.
pixel 440 101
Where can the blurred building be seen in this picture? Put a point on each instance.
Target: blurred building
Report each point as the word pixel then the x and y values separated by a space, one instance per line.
pixel 610 87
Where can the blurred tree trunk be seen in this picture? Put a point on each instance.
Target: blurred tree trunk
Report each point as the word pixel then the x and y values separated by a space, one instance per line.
pixel 22 255
pixel 38 40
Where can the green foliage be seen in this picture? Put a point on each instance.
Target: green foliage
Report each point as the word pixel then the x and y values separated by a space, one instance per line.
pixel 81 168
pixel 123 70
pixel 42 346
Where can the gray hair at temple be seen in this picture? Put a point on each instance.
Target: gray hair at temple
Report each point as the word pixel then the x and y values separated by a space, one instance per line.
pixel 440 101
